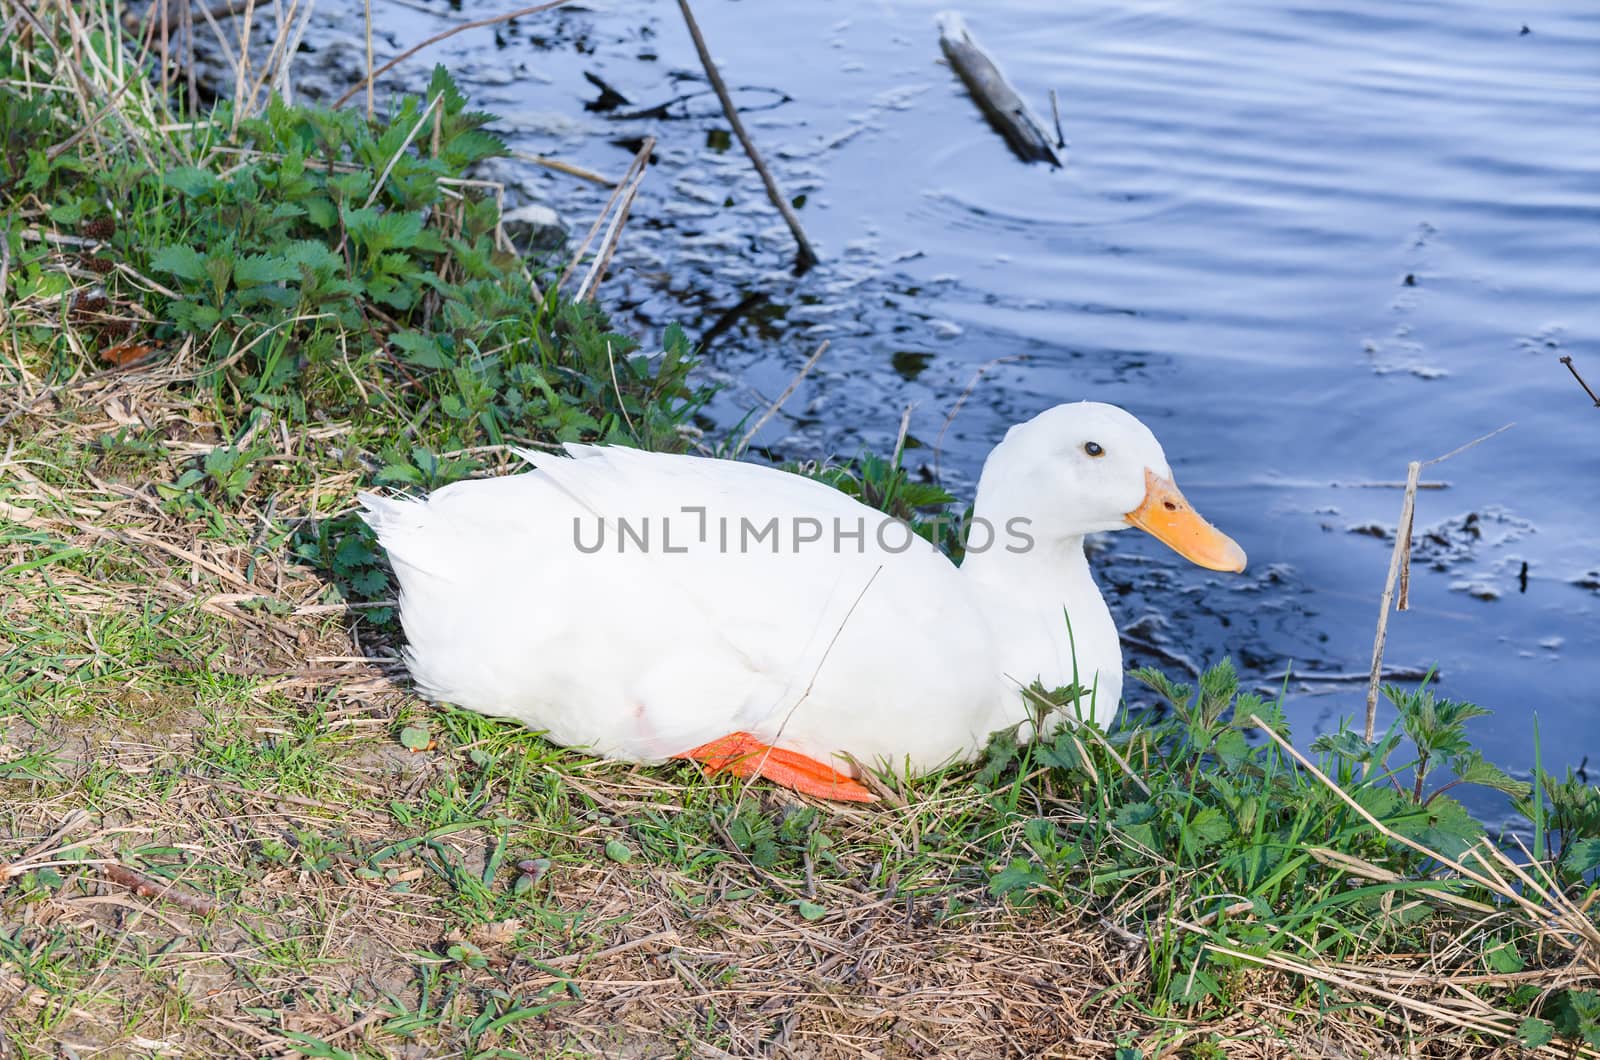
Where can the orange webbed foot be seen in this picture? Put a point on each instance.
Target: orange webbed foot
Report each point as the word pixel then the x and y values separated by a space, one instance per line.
pixel 745 756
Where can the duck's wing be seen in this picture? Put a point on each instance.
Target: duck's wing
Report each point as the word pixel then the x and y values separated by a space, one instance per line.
pixel 644 603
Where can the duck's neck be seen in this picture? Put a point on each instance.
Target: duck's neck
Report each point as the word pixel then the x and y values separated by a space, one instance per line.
pixel 1048 619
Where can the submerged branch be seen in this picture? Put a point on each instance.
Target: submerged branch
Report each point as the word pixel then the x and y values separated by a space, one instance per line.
pixel 994 95
pixel 1592 395
pixel 805 257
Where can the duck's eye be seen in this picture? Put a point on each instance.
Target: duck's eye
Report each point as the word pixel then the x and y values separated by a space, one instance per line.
pixel 1093 449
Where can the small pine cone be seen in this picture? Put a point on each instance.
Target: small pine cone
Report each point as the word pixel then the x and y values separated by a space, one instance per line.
pixel 100 228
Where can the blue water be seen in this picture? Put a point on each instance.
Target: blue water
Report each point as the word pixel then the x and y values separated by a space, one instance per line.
pixel 1226 254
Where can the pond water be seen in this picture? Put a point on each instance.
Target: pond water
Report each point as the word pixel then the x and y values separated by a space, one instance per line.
pixel 1305 245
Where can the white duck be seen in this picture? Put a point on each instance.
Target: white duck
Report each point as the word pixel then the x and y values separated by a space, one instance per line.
pixel 648 606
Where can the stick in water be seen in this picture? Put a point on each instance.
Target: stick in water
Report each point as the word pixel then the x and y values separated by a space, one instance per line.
pixel 1592 396
pixel 788 391
pixel 805 257
pixel 1400 571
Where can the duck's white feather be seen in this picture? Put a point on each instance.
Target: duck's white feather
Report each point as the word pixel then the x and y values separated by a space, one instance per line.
pixel 642 604
pixel 638 652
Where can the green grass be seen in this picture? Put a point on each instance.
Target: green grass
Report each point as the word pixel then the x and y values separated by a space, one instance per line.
pixel 332 867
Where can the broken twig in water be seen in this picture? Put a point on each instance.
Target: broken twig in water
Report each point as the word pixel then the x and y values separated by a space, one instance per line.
pixel 436 38
pixel 788 392
pixel 1592 396
pixel 938 445
pixel 565 167
pixel 608 246
pixel 994 95
pixel 805 257
pixel 622 199
pixel 1400 572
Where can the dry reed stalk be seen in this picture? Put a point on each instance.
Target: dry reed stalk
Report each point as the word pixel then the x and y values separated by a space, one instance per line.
pixel 788 392
pixel 495 20
pixel 241 70
pixel 5 279
pixel 608 246
pixel 1398 558
pixel 1469 1013
pixel 967 391
pixel 292 24
pixel 371 76
pixel 1400 571
pixel 1557 919
pixel 564 167
pixel 624 192
pixel 805 256
pixel 640 159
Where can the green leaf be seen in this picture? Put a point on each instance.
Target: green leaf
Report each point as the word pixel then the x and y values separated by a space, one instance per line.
pixel 1134 813
pixel 1443 825
pixel 1536 1032
pixel 1218 686
pixel 1040 834
pixel 218 267
pixel 618 851
pixel 421 350
pixel 185 263
pixel 1583 857
pixel 415 738
pixel 1503 958
pixel 321 212
pixel 369 583
pixel 1062 753
pixel 1208 828
pixel 1472 768
pixel 1232 748
pixel 468 954
pixel 810 910
pixel 1020 875
pixel 187 180
pixel 70 213
pixel 379 231
pixel 253 269
pixel 1174 693
pixel 1193 987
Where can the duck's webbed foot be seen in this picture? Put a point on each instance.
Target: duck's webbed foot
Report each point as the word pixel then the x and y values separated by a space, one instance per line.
pixel 744 756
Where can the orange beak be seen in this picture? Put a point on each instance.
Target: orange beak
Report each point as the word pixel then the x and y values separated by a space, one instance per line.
pixel 1167 517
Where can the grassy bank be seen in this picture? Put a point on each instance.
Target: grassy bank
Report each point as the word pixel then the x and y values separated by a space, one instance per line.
pixel 228 827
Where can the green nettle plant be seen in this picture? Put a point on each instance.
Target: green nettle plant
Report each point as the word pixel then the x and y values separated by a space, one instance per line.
pixel 336 270
pixel 339 270
pixel 1263 856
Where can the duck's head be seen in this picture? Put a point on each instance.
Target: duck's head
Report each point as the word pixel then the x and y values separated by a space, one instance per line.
pixel 1088 467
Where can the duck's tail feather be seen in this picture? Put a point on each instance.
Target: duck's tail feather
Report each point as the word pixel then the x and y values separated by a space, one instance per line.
pixel 400 524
